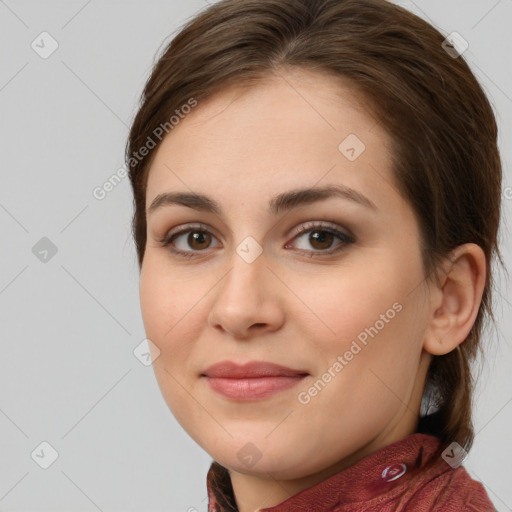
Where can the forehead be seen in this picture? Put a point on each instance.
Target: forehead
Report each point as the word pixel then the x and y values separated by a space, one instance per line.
pixel 293 127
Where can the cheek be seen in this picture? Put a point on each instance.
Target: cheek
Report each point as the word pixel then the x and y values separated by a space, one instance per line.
pixel 164 306
pixel 344 303
pixel 366 313
pixel 168 318
pixel 163 293
pixel 156 305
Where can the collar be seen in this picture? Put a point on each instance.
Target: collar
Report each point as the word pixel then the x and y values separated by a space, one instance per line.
pixel 387 471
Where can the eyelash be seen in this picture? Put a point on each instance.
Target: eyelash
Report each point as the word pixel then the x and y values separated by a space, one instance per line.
pixel 306 228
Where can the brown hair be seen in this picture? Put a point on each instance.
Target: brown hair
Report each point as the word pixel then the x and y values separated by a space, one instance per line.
pixel 445 156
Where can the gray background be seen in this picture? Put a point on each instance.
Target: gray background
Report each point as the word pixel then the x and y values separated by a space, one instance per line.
pixel 69 325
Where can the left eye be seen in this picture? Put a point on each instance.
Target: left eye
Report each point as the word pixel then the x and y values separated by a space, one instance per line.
pixel 321 238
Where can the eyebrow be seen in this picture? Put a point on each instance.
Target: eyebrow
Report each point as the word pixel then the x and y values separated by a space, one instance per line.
pixel 281 203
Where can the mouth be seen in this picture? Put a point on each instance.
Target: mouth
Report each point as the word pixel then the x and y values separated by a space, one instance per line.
pixel 255 380
pixel 256 388
pixel 250 370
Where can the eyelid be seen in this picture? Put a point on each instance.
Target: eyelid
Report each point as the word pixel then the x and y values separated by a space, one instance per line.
pixel 187 226
pixel 321 224
pixel 184 228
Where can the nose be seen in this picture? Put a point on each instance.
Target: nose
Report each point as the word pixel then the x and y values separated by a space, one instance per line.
pixel 248 300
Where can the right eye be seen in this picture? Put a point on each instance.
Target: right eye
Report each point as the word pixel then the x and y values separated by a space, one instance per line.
pixel 198 239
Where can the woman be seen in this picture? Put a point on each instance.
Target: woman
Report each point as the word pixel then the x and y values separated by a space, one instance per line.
pixel 317 198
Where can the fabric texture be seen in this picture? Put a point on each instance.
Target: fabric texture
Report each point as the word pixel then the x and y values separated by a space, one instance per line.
pixel 391 479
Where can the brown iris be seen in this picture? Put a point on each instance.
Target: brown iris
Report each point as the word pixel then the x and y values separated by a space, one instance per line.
pixel 198 237
pixel 321 237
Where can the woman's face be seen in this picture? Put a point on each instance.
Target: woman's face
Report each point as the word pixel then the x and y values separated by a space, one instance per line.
pixel 344 301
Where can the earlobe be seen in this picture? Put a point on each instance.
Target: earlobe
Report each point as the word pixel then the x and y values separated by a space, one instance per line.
pixel 456 302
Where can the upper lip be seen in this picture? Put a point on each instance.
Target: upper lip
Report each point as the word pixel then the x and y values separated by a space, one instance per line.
pixel 252 369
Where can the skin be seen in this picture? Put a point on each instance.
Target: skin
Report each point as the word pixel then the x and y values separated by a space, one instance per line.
pixel 299 309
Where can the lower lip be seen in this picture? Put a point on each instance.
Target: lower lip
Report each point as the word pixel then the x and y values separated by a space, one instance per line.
pixel 253 388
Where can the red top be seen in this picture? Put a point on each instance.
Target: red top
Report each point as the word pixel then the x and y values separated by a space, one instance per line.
pixel 390 480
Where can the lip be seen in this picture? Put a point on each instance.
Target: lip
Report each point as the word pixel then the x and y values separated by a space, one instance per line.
pixel 252 369
pixel 255 380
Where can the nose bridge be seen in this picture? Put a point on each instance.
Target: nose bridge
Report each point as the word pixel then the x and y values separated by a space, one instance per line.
pixel 243 298
pixel 245 280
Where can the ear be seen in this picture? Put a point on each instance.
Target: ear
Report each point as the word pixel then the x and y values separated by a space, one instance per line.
pixel 455 303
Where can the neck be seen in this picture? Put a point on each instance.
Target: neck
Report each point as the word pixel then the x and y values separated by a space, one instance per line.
pixel 254 492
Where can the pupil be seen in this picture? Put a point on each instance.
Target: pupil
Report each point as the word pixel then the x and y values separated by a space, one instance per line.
pixel 197 237
pixel 318 237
